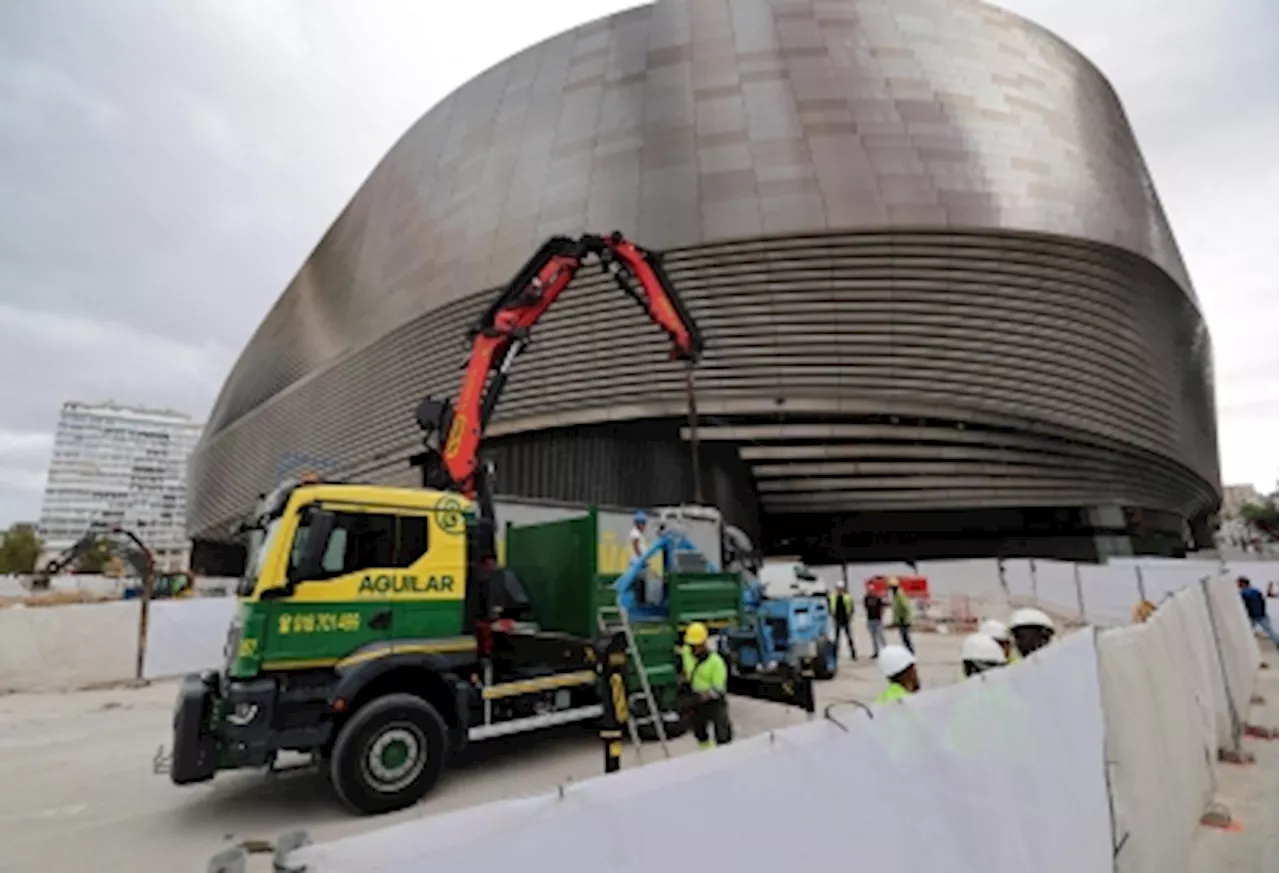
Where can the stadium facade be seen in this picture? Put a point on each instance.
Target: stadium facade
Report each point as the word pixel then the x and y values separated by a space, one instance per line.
pixel 944 310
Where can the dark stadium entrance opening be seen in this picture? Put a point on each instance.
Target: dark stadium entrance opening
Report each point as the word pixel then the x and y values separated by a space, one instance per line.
pixel 1064 533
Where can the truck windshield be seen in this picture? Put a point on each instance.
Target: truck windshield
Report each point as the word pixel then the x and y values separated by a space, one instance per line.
pixel 260 542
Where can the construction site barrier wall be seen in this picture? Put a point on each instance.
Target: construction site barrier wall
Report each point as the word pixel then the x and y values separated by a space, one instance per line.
pixel 1161 699
pixel 59 648
pixel 1002 774
pixel 1096 754
pixel 1236 643
pixel 188 635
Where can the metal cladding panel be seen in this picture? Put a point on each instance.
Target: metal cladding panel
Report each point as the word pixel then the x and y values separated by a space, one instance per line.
pixel 918 209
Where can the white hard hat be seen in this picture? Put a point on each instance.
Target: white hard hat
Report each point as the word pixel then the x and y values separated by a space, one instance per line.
pixel 1030 618
pixel 995 629
pixel 981 648
pixel 894 659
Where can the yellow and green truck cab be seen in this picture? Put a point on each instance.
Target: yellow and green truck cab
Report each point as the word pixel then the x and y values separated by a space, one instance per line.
pixel 376 634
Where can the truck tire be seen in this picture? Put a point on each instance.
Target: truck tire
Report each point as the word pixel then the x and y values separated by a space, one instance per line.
pixel 826 662
pixel 389 754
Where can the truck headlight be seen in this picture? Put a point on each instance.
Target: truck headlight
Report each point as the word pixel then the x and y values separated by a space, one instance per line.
pixel 243 714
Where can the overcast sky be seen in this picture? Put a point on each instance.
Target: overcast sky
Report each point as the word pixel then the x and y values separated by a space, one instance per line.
pixel 166 167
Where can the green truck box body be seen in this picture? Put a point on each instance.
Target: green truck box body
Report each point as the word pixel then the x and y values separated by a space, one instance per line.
pixel 557 562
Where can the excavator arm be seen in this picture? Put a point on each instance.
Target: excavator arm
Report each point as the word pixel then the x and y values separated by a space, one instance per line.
pixel 503 331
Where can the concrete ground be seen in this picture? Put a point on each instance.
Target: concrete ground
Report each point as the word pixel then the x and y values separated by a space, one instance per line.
pixel 1249 793
pixel 77 792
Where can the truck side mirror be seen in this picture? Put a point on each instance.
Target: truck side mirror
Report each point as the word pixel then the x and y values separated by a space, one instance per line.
pixel 310 565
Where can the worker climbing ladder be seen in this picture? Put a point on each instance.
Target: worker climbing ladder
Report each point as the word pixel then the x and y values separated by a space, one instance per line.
pixel 612 619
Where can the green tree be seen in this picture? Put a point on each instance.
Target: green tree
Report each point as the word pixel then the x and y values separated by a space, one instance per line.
pixel 96 557
pixel 1261 516
pixel 19 549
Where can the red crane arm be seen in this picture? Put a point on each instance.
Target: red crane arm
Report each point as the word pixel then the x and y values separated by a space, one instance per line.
pixel 502 332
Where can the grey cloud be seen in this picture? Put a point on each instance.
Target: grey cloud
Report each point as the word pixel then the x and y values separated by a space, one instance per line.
pixel 166 168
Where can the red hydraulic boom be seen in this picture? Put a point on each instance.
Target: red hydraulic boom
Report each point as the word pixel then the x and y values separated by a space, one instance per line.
pixel 502 332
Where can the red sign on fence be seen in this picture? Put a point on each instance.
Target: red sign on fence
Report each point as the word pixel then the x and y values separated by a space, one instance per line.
pixel 915 587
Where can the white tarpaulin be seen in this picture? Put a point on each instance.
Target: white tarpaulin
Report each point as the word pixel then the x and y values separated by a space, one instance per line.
pixel 1260 573
pixel 58 648
pixel 1160 695
pixel 1017 577
pixel 1161 580
pixel 1001 775
pixel 1055 587
pixel 1109 594
pixel 1235 639
pixel 186 636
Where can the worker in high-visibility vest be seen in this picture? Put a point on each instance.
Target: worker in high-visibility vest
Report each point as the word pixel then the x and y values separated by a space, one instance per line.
pixel 841 605
pixel 901 608
pixel 898 665
pixel 708 679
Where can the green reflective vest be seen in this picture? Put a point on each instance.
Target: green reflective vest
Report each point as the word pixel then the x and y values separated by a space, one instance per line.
pixel 708 674
pixel 901 608
pixel 892 693
pixel 836 597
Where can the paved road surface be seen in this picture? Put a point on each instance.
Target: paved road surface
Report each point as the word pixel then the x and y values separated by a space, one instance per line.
pixel 77 793
pixel 1250 794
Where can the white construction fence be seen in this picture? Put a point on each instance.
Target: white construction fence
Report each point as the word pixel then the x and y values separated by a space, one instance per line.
pixel 67 647
pixel 1095 754
pixel 1099 594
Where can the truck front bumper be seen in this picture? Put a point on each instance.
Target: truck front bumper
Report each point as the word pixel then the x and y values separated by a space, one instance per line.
pixel 195 748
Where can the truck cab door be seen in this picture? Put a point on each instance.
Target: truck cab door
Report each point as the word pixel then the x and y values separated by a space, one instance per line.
pixel 327 615
pixel 433 575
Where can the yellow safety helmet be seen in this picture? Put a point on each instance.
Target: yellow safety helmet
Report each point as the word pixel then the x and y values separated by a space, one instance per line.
pixel 893 582
pixel 695 634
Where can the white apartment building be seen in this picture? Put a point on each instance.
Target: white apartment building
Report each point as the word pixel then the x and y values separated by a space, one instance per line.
pixel 120 465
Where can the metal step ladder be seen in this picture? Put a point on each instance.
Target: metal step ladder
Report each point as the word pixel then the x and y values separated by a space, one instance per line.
pixel 611 619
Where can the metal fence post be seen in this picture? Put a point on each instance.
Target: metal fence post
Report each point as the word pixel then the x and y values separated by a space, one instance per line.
pixel 1236 753
pixel 1075 572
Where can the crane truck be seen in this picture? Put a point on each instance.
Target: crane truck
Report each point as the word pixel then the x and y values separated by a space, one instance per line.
pixel 376 632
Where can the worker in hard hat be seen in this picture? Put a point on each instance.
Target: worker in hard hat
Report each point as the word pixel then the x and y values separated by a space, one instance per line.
pixel 980 653
pixel 898 664
pixel 841 606
pixel 999 632
pixel 901 607
pixel 648 584
pixel 708 680
pixel 1031 629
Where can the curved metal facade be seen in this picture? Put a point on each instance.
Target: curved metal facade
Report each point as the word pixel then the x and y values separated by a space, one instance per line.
pixel 918 234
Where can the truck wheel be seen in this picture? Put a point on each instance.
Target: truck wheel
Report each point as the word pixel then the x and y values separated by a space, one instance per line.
pixel 389 754
pixel 826 662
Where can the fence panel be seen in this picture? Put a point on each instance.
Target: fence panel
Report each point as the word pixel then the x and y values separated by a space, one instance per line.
pixel 1109 594
pixel 1027 741
pixel 1160 733
pixel 186 636
pixel 1235 640
pixel 1017 577
pixel 1056 588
